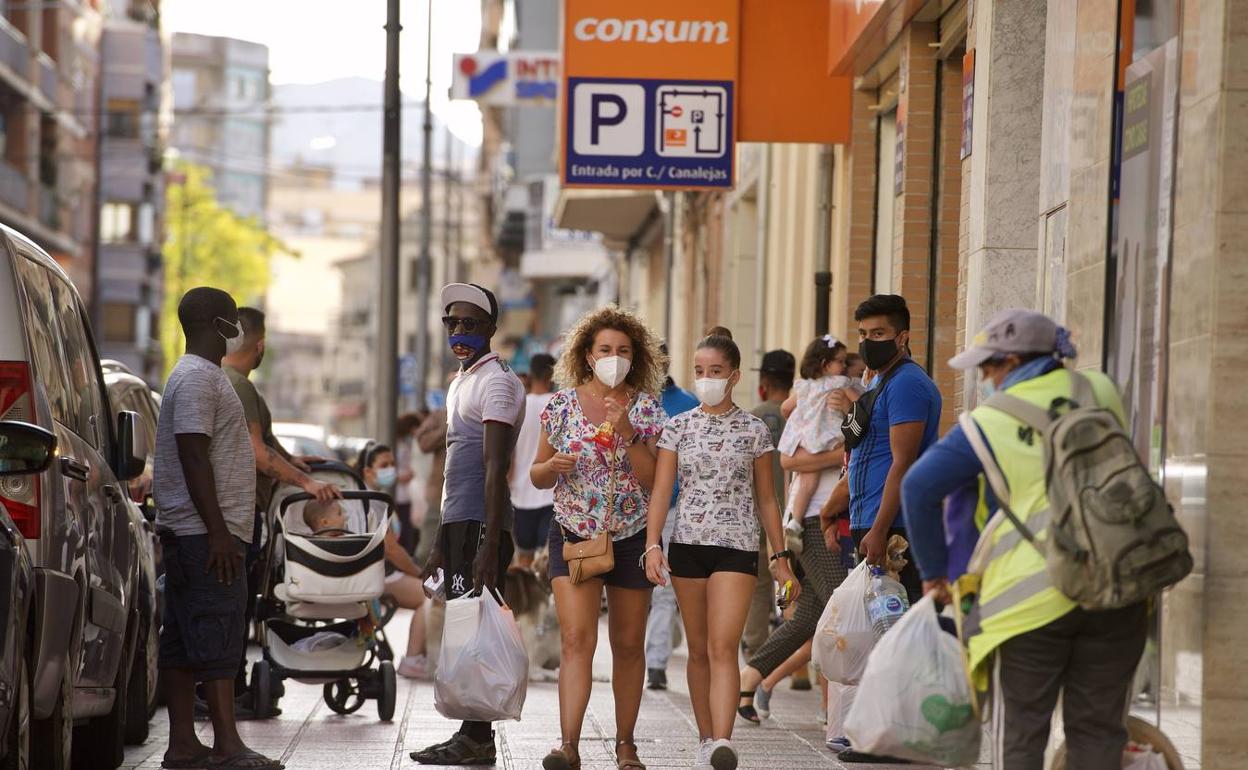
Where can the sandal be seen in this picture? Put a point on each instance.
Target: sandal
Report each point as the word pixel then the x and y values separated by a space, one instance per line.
pixel 197 762
pixel 627 764
pixel 747 711
pixel 246 760
pixel 459 750
pixel 565 757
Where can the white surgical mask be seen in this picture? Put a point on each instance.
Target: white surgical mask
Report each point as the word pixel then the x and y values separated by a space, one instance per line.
pixel 612 370
pixel 710 391
pixel 235 343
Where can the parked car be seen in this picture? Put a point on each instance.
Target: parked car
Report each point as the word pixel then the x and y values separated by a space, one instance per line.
pixel 130 393
pixel 25 450
pixel 76 517
pixel 302 439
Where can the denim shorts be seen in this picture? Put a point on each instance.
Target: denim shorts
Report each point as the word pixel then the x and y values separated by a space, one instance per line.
pixel 532 527
pixel 203 622
pixel 627 572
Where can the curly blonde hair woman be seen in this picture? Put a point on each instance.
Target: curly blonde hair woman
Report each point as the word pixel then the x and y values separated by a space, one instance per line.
pixel 613 370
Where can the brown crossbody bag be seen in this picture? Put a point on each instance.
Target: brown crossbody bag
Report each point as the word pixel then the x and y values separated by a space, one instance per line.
pixel 588 559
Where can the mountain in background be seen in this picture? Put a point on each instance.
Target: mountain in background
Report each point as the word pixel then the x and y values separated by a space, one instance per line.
pixel 355 152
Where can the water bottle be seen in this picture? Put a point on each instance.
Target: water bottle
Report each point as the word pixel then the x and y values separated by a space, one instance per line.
pixel 885 600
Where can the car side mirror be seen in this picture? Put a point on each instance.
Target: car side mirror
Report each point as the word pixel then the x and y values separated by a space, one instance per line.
pixel 25 448
pixel 129 464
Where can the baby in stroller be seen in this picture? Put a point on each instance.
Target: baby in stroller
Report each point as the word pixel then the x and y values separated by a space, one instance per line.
pixel 328 519
pixel 325 518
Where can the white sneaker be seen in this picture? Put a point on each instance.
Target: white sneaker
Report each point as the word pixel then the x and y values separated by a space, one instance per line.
pixel 723 755
pixel 702 757
pixel 414 667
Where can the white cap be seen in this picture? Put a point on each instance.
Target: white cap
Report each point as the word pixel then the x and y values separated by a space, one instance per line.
pixel 472 294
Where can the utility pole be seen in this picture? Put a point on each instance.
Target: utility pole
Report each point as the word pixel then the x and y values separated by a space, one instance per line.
pixel 387 384
pixel 426 221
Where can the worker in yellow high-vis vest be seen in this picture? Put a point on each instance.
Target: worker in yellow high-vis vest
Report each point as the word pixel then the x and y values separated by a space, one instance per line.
pixel 1026 641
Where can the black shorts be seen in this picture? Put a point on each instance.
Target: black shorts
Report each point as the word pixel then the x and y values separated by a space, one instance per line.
pixel 628 572
pixel 459 541
pixel 203 623
pixel 532 527
pixel 698 562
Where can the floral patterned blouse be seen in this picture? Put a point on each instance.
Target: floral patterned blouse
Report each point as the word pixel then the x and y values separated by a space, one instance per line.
pixel 581 496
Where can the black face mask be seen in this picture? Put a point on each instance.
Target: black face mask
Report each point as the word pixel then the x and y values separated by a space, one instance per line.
pixel 878 353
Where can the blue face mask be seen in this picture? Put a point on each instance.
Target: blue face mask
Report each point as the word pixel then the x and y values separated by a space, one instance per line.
pixel 386 477
pixel 473 342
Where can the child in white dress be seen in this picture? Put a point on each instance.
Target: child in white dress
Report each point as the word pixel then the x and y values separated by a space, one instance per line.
pixel 812 426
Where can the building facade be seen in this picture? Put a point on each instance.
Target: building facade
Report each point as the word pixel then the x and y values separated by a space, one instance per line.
pixel 1079 157
pixel 134 89
pixel 49 54
pixel 221 106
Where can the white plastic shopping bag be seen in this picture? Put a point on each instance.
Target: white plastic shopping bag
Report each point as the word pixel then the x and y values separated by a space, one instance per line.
pixel 844 637
pixel 483 670
pixel 914 701
pixel 1142 757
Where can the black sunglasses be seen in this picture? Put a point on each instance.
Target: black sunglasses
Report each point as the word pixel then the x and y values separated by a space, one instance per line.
pixel 469 325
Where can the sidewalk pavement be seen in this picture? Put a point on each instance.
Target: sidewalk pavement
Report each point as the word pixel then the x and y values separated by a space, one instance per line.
pixel 308 736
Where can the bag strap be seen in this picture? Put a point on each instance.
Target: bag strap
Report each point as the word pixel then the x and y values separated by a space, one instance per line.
pixel 1021 410
pixel 996 478
pixel 303 543
pixel 1082 390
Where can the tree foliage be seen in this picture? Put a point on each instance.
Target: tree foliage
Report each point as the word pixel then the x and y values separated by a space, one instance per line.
pixel 207 244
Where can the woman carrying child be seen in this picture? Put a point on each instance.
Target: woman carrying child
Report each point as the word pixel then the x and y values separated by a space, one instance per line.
pixel 722 457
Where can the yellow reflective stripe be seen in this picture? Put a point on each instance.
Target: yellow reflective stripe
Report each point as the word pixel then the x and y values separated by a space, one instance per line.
pixel 1016 594
pixel 1036 522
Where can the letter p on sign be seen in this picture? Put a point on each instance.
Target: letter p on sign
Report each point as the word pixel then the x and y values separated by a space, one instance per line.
pixel 608 119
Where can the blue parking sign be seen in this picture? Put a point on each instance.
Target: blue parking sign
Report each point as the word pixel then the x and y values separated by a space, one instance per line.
pixel 674 134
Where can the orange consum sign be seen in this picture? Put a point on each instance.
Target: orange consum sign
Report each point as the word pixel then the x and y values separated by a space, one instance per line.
pixel 650 93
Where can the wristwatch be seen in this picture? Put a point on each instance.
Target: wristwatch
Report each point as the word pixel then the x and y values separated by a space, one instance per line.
pixel 785 554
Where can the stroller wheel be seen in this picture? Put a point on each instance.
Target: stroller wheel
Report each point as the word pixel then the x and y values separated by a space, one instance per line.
pixel 386 699
pixel 262 690
pixel 343 696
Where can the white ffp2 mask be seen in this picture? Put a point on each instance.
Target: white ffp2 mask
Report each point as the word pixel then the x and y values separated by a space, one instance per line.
pixel 710 391
pixel 612 370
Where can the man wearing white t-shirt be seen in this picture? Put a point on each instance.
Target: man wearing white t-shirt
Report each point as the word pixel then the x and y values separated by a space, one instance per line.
pixel 484 411
pixel 533 507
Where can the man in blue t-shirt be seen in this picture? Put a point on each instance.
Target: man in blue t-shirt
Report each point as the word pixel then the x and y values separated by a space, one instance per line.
pixel 904 421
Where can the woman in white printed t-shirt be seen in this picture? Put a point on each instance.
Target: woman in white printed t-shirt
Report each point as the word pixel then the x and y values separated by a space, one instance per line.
pixel 722 456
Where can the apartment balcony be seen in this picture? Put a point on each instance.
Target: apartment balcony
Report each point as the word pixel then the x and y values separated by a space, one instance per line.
pixel 47 77
pixel 13 49
pixel 14 188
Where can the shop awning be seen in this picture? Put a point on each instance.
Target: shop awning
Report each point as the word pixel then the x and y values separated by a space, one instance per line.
pixel 589 262
pixel 620 215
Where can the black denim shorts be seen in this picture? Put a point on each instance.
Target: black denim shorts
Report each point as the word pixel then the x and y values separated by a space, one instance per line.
pixel 628 573
pixel 203 623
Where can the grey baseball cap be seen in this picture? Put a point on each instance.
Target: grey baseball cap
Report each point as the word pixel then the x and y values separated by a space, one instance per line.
pixel 1010 331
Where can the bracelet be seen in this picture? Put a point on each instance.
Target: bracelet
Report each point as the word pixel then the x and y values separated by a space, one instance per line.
pixel 785 554
pixel 641 562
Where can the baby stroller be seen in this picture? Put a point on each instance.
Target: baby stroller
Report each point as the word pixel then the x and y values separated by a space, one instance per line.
pixel 319 602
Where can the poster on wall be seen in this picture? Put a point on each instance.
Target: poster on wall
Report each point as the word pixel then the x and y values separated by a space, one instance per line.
pixel 1137 352
pixel 968 101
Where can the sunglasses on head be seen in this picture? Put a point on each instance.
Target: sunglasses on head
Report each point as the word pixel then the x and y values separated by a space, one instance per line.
pixel 469 325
